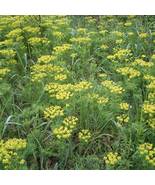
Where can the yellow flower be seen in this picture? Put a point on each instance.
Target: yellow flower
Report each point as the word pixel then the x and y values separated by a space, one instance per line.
pixel 62 132
pixel 142 63
pixel 143 35
pixel 151 123
pixel 113 87
pixel 38 40
pixel 46 59
pixel 14 33
pixel 63 95
pixel 15 144
pixel 104 46
pixel 7 53
pixel 119 41
pixel 22 161
pixel 102 100
pixel 102 75
pixel 120 55
pixel 70 122
pixel 60 77
pixel 66 129
pixel 53 111
pixel 58 34
pixel 147 151
pixel 149 108
pixel 81 40
pixel 84 135
pixel 62 49
pixel 83 85
pixel 151 85
pixel 3 72
pixel 151 96
pixel 10 153
pixel 117 33
pixel 112 158
pixel 81 30
pixel 124 106
pixel 128 71
pixel 124 118
pixel 31 30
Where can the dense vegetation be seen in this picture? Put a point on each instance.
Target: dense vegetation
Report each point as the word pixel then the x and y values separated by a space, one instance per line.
pixel 77 92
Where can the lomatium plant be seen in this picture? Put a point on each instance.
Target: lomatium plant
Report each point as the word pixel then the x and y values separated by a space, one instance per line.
pixel 77 92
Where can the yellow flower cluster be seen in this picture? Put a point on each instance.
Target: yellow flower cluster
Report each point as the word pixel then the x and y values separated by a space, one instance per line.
pixel 58 34
pixel 60 77
pixel 70 122
pixel 15 144
pixel 9 153
pixel 3 72
pixel 84 135
pixel 60 91
pixel 53 111
pixel 39 71
pixel 14 33
pixel 149 108
pixel 61 49
pixel 81 40
pixel 46 59
pixel 38 40
pixel 83 85
pixel 65 131
pixel 103 32
pixel 151 123
pixel 151 85
pixel 62 132
pixel 124 118
pixel 10 61
pixel 93 96
pixel 37 68
pixel 148 152
pixel 128 71
pixel 121 54
pixel 30 29
pixel 102 75
pixel 151 97
pixel 149 77
pixel 10 53
pixel 65 91
pixel 55 87
pixel 82 30
pixel 117 33
pixel 112 158
pixel 124 106
pixel 63 95
pixel 142 63
pixel 104 46
pixel 119 41
pixel 38 77
pixel 143 35
pixel 113 87
pixel 102 100
pixel 7 42
pixel 153 57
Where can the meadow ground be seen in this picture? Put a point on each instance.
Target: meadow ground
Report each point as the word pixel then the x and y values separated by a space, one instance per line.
pixel 77 92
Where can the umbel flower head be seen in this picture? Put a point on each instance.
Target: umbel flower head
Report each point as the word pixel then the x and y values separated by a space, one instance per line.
pixel 112 158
